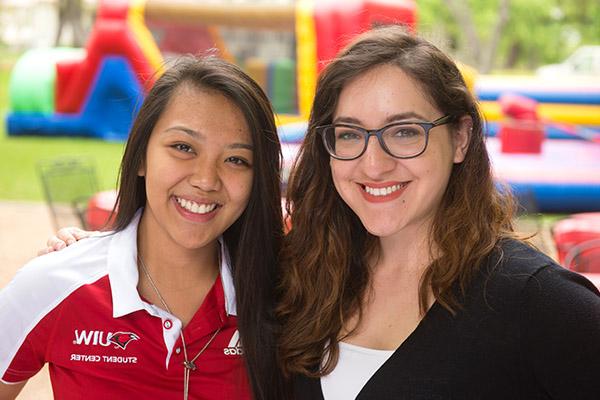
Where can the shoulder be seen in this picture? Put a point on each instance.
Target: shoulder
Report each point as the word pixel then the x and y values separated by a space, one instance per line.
pixel 557 313
pixel 521 285
pixel 529 288
pixel 517 268
pixel 30 302
pixel 81 262
pixel 46 281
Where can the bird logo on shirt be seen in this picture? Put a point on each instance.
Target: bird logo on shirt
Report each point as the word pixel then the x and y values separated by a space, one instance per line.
pixel 122 339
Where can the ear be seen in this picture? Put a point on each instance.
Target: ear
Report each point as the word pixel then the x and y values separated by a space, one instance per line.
pixel 462 137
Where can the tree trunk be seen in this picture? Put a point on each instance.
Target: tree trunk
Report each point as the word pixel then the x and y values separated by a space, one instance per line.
pixel 70 14
pixel 488 56
pixel 477 54
pixel 463 15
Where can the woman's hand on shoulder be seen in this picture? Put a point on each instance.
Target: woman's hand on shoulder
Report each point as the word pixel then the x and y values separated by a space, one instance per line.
pixel 63 238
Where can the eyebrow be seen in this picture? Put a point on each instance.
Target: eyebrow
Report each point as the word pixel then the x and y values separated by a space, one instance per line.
pixel 198 136
pixel 392 118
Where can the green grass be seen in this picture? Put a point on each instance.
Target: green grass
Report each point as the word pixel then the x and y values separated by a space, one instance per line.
pixel 20 155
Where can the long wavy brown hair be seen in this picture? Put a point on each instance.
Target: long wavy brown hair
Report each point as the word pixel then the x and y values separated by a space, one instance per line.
pixel 325 274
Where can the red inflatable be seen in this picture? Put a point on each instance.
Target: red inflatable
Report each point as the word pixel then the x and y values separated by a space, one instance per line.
pixel 577 240
pixel 335 25
pixel 111 35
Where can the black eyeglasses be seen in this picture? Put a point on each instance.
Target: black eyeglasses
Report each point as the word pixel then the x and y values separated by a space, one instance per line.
pixel 406 139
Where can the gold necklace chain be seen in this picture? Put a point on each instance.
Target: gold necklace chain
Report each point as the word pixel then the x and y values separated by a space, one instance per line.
pixel 189 365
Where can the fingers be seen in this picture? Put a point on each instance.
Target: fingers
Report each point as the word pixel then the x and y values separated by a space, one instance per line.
pixel 53 244
pixel 79 234
pixel 45 250
pixel 65 237
pixel 69 235
pixel 56 243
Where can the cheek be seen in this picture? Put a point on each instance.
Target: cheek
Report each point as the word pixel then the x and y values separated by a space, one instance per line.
pixel 242 190
pixel 336 173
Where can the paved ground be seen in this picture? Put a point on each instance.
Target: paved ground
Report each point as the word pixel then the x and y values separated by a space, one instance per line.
pixel 24 228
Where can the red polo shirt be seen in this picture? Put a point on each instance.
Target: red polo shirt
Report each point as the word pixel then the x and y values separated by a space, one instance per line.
pixel 79 311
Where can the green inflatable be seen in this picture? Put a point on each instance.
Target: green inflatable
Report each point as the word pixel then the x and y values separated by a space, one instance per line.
pixel 283 86
pixel 32 80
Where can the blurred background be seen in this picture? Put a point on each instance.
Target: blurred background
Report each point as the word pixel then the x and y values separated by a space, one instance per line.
pixel 74 72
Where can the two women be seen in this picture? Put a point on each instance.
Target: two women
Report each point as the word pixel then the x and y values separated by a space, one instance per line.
pixel 401 276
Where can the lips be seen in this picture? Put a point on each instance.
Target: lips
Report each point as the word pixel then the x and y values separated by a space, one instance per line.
pixel 382 192
pixel 196 208
pixel 196 211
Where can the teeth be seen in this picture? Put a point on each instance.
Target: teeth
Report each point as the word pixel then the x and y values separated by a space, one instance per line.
pixel 383 191
pixel 194 207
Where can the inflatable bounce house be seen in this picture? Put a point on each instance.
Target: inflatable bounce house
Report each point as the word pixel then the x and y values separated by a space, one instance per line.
pixel 92 92
pixel 96 91
pixel 544 137
pixel 548 174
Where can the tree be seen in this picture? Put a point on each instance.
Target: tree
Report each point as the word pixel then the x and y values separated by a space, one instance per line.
pixel 70 14
pixel 511 34
pixel 482 53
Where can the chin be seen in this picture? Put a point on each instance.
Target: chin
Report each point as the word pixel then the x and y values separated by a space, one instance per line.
pixel 191 243
pixel 381 231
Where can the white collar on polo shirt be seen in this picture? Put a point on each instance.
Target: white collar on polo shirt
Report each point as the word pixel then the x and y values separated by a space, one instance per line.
pixel 123 272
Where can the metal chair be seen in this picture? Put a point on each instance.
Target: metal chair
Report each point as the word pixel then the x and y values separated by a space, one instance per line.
pixel 584 257
pixel 68 183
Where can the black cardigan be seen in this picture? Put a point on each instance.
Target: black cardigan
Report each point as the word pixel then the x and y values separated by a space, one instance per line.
pixel 528 329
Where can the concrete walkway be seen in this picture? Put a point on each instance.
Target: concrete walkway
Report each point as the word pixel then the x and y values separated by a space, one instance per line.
pixel 24 229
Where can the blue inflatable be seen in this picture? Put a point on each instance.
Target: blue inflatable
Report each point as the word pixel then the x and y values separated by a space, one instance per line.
pixel 108 114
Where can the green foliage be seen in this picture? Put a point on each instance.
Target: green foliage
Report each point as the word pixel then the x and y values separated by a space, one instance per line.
pixel 538 31
pixel 19 157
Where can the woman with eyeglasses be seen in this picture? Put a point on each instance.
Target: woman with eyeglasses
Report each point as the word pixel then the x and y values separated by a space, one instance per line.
pixel 402 275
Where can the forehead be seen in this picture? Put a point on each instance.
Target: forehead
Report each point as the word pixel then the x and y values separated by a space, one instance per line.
pixel 381 92
pixel 206 111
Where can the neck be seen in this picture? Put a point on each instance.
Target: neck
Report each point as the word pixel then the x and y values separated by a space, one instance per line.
pixel 406 253
pixel 175 271
pixel 177 278
pixel 176 267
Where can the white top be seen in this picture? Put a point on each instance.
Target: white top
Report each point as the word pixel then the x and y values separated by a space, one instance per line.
pixel 355 367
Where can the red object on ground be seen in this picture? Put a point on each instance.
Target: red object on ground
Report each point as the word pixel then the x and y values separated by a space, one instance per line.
pixel 521 136
pixel 521 131
pixel 577 240
pixel 518 107
pixel 100 206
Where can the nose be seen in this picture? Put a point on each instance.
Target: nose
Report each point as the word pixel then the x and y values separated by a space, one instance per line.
pixel 205 174
pixel 376 160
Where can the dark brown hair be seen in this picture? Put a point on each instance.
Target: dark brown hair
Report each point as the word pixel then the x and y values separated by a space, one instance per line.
pixel 324 258
pixel 255 238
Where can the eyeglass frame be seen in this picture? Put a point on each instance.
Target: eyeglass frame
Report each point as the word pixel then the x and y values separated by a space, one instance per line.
pixel 427 126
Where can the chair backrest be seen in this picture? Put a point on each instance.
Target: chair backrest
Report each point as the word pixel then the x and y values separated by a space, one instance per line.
pixel 68 183
pixel 584 257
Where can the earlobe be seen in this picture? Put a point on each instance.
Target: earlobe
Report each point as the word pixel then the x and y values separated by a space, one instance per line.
pixel 462 138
